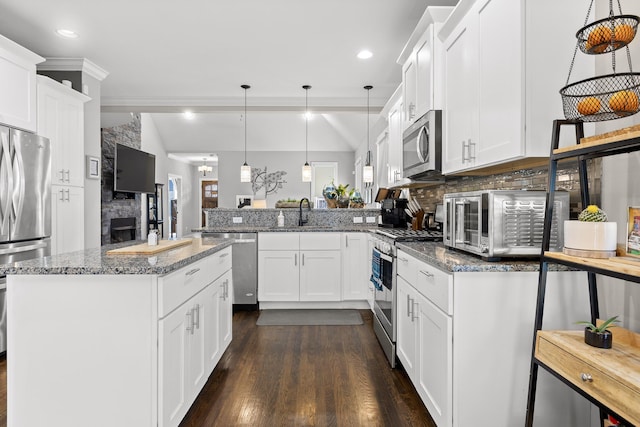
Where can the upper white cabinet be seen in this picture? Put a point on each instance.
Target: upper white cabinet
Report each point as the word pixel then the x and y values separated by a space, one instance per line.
pixel 422 67
pixel 18 85
pixel 503 69
pixel 61 119
pixel 394 141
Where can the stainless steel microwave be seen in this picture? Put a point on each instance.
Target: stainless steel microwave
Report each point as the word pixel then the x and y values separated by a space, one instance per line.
pixel 422 147
pixel 502 223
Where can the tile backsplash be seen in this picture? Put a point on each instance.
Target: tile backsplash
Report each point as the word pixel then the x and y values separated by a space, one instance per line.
pixel 529 179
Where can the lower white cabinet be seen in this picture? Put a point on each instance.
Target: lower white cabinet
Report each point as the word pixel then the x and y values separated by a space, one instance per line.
pixel 464 339
pixel 299 267
pixel 355 266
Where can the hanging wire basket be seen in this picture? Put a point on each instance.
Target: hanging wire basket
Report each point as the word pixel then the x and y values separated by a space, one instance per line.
pixel 607 35
pixel 611 96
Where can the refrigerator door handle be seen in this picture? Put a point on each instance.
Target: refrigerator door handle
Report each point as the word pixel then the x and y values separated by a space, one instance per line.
pixel 18 185
pixel 6 174
pixel 23 248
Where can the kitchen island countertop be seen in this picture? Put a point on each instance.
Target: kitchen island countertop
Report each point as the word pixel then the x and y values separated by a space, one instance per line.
pixel 288 229
pixel 96 261
pixel 455 261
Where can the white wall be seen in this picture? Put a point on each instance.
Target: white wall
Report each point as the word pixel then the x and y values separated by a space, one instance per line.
pixel 620 185
pixel 152 143
pixel 229 163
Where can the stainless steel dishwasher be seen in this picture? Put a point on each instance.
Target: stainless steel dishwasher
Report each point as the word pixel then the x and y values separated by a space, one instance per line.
pixel 244 256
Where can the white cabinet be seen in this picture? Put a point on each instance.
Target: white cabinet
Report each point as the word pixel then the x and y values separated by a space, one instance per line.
pixel 18 85
pixel 395 142
pixel 61 119
pixel 299 267
pixel 501 93
pixel 67 219
pixel 462 340
pixel 422 66
pixel 355 266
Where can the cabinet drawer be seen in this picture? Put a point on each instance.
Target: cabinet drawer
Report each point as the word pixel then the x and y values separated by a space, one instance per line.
pixel 614 374
pixel 407 267
pixel 319 241
pixel 220 262
pixel 430 281
pixel 279 241
pixel 177 287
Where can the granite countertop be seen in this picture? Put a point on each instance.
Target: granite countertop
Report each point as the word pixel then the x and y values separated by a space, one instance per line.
pixel 455 261
pixel 288 229
pixel 96 261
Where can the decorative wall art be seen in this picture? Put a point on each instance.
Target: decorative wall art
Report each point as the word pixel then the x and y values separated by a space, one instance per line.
pixel 271 182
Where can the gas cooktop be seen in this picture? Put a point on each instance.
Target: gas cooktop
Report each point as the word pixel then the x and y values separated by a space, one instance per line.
pixel 405 235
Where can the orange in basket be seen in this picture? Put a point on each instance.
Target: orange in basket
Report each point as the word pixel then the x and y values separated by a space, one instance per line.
pixel 587 106
pixel 624 101
pixel 601 34
pixel 623 33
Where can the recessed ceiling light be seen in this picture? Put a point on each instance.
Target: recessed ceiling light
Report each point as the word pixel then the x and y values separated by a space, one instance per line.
pixel 365 54
pixel 67 34
pixel 188 115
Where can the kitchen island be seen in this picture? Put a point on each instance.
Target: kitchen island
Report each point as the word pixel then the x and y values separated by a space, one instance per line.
pixel 105 340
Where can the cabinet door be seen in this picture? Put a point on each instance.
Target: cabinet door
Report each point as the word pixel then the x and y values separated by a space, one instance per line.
pixel 461 97
pixel 382 159
pixel 320 274
pixel 278 276
pixel 395 143
pixel 211 302
pixel 172 366
pixel 18 85
pixel 355 266
pixel 500 81
pixel 61 119
pixel 407 328
pixel 424 54
pixel 409 98
pixel 435 366
pixel 196 362
pixel 67 219
pixel 225 313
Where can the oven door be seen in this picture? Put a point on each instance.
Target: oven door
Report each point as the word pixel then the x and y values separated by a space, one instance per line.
pixel 467 220
pixel 384 298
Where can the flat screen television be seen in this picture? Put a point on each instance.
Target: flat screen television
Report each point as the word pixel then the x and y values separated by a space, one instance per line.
pixel 134 170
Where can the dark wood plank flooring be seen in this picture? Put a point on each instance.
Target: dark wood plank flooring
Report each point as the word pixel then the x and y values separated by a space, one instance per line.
pixel 299 376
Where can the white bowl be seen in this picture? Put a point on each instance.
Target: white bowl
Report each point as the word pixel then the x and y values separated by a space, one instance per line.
pixel 590 236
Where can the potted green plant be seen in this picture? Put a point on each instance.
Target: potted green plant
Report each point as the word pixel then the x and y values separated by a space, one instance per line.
pixel 591 235
pixel 355 200
pixel 343 195
pixel 599 336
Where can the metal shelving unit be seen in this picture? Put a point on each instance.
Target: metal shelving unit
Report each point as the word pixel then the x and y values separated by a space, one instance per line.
pixel 616 143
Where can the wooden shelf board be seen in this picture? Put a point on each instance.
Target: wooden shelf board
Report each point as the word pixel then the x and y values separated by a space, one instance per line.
pixel 615 371
pixel 145 249
pixel 619 265
pixel 605 142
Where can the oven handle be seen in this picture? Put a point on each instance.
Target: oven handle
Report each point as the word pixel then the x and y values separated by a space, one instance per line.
pixel 383 256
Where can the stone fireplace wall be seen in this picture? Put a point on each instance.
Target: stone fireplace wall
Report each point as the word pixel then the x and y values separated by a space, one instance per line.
pixel 128 134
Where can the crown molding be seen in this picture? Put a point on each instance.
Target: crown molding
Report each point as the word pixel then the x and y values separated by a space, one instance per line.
pixel 74 64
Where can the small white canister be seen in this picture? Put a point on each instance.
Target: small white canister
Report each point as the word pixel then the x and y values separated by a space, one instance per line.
pixel 152 238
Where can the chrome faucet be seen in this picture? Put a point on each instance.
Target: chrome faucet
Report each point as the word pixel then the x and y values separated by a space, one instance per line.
pixel 302 221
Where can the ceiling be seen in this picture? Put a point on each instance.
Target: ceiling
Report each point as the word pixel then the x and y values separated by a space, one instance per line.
pixel 165 57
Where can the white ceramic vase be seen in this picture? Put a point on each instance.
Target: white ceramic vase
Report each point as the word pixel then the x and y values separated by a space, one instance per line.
pixel 590 236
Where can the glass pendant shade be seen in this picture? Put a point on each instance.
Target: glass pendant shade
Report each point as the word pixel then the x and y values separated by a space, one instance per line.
pixel 245 173
pixel 306 172
pixel 367 174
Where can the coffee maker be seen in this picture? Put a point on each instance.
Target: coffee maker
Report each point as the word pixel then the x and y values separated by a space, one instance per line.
pixel 393 208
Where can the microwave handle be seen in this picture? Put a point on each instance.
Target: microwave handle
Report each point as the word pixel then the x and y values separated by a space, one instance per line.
pixel 459 221
pixel 424 133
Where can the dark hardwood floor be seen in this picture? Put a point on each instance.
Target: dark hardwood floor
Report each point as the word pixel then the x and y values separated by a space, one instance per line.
pixel 281 376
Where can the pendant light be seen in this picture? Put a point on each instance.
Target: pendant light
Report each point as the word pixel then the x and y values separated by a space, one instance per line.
pixel 204 168
pixel 245 170
pixel 367 170
pixel 306 169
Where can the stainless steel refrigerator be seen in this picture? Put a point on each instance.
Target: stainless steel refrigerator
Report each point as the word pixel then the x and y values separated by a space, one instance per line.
pixel 25 203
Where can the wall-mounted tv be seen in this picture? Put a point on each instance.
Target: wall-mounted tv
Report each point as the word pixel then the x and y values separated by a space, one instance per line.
pixel 134 170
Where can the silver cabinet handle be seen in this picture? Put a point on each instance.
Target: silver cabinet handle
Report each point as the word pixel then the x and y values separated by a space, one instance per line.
pixel 472 144
pixel 403 259
pixel 408 306
pixel 226 288
pixel 295 259
pixel 413 311
pixel 61 175
pixel 192 272
pixel 196 317
pixel 190 321
pixel 464 146
pixel 303 260
pixel 222 292
pixel 61 195
pixel 67 191
pixel 224 254
pixel 68 179
pixel 346 241
pixel 587 378
pixel 426 273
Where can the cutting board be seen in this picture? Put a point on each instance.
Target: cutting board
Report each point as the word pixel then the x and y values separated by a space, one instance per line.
pixel 145 249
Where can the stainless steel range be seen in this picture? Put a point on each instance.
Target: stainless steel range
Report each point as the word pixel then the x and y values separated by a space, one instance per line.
pixel 383 276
